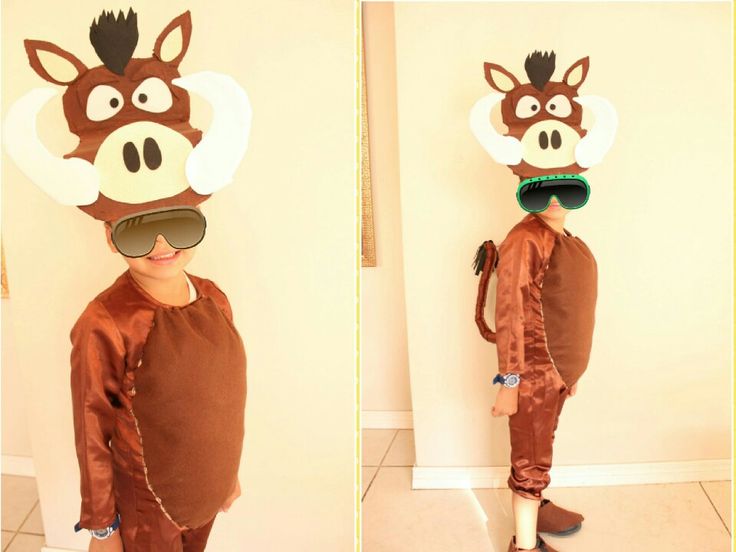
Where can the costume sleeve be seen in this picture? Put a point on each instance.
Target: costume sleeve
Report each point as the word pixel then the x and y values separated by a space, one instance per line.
pixel 519 261
pixel 226 308
pixel 222 301
pixel 97 361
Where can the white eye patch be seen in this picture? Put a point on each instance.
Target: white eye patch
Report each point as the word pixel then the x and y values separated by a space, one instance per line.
pixel 103 102
pixel 526 107
pixel 559 106
pixel 152 95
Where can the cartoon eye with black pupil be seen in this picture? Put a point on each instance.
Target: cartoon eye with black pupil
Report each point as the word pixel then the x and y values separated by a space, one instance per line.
pixel 559 106
pixel 104 101
pixel 526 107
pixel 153 95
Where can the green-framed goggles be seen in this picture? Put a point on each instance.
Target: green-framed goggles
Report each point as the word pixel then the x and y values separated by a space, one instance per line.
pixel 535 194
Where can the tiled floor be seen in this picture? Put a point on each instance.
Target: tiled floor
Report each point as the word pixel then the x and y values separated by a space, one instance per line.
pixel 22 529
pixel 687 517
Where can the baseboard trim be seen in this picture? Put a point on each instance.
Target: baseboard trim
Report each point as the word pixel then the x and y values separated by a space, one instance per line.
pixel 386 419
pixel 577 476
pixel 17 465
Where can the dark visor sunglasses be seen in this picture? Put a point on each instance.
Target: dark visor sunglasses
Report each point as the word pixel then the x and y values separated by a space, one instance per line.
pixel 571 190
pixel 135 235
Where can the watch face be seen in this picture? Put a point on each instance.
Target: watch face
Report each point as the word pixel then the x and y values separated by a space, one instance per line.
pixel 512 380
pixel 100 533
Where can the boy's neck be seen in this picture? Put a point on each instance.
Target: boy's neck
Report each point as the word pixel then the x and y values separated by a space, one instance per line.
pixel 172 291
pixel 557 224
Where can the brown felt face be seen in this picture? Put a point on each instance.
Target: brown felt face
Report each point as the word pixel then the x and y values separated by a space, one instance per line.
pixel 525 106
pixel 542 114
pixel 100 102
pixel 131 120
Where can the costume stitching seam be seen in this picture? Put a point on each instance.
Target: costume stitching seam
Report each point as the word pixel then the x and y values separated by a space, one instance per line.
pixel 145 470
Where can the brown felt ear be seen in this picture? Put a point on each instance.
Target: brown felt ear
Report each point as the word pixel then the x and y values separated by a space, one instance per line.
pixel 577 72
pixel 172 43
pixel 52 63
pixel 499 78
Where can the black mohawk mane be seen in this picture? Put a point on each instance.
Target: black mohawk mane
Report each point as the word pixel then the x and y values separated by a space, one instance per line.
pixel 539 68
pixel 114 39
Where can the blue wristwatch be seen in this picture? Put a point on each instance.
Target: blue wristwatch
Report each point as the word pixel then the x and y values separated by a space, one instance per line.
pixel 509 380
pixel 101 534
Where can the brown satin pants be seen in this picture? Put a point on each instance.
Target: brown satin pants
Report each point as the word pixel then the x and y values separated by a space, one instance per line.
pixel 532 431
pixel 143 525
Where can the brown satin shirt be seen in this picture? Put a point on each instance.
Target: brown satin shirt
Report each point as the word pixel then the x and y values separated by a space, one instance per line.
pixel 163 390
pixel 545 301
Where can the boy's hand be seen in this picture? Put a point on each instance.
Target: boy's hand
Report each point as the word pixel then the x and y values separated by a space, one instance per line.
pixel 507 401
pixel 573 389
pixel 235 494
pixel 111 544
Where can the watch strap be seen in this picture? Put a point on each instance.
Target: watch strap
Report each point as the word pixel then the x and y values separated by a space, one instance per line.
pixel 503 379
pixel 110 528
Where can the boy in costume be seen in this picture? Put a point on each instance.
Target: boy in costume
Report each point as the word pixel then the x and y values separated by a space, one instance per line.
pixel 158 368
pixel 547 278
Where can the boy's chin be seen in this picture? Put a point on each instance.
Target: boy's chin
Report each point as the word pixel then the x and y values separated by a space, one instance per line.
pixel 159 268
pixel 171 258
pixel 555 212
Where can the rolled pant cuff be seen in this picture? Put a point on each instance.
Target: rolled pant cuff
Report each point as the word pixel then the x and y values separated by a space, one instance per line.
pixel 530 495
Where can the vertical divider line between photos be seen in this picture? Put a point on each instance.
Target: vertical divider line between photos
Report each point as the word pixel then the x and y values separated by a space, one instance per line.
pixel 733 269
pixel 358 45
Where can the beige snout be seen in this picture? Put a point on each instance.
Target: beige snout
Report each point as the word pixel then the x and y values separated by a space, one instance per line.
pixel 549 144
pixel 142 162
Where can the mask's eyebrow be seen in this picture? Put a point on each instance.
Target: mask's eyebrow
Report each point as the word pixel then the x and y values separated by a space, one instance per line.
pixel 100 78
pixel 559 87
pixel 141 73
pixel 145 71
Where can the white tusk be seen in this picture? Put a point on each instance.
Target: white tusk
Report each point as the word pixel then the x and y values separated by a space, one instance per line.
pixel 69 181
pixel 506 150
pixel 599 139
pixel 212 164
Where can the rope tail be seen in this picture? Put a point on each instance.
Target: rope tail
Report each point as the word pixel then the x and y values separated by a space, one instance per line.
pixel 485 262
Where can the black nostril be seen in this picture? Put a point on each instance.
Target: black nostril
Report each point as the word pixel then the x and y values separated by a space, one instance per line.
pixel 130 157
pixel 556 139
pixel 151 154
pixel 543 141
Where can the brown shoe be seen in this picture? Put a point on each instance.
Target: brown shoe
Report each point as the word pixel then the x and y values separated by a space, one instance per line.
pixel 557 521
pixel 541 546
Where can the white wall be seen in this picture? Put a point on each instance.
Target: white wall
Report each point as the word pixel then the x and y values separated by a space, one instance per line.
pixel 15 438
pixel 385 362
pixel 659 222
pixel 280 242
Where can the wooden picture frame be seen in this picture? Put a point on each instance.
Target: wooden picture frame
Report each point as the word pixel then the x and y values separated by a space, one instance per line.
pixel 367 235
pixel 3 274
